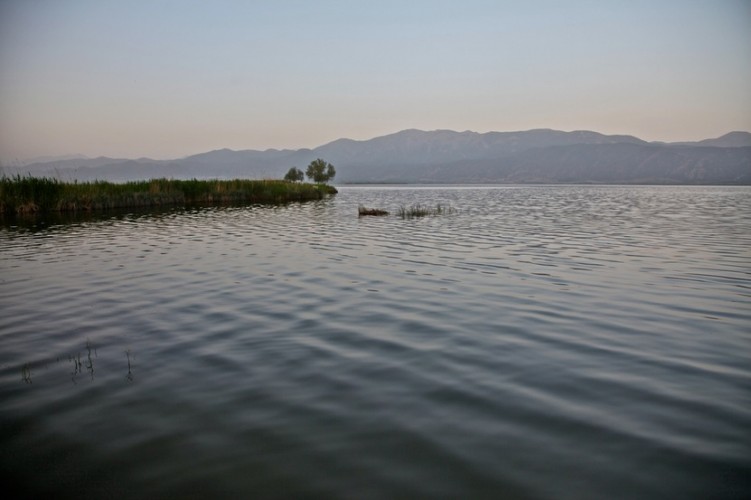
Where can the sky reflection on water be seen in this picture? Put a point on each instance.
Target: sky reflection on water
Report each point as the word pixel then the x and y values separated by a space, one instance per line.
pixel 541 342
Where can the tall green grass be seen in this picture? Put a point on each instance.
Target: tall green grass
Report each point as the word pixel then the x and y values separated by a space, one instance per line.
pixel 23 195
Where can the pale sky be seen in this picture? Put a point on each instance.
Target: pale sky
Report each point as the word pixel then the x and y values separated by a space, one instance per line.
pixel 169 78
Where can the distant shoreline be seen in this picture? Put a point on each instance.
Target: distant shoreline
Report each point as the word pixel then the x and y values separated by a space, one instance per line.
pixel 541 183
pixel 447 157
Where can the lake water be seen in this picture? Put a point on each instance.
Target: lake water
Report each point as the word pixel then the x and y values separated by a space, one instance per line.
pixel 561 342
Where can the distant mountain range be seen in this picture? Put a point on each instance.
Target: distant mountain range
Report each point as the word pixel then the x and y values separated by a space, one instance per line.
pixel 445 156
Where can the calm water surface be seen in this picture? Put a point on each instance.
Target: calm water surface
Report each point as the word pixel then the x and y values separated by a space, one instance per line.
pixel 541 342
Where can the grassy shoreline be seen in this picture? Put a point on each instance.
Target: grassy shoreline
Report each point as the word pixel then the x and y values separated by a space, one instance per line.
pixel 29 195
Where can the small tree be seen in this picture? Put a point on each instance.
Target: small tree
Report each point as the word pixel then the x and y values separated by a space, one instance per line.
pixel 294 175
pixel 320 171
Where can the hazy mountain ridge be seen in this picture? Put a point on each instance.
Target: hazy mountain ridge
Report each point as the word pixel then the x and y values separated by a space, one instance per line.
pixel 534 156
pixel 729 140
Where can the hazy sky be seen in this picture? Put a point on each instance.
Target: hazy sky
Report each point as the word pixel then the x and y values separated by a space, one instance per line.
pixel 166 79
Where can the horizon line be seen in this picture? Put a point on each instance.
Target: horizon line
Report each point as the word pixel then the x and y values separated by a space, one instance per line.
pixel 62 157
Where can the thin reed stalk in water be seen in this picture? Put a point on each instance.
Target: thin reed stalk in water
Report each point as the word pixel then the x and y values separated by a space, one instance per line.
pixel 419 210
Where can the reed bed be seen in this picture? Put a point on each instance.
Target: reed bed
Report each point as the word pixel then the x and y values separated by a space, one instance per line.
pixel 25 195
pixel 419 210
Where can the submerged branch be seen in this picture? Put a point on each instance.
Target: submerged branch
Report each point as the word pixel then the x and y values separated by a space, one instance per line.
pixel 363 211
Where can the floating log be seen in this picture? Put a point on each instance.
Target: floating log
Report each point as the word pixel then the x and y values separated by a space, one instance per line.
pixel 362 211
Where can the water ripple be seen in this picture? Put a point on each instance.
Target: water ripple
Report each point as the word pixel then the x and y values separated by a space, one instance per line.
pixel 540 342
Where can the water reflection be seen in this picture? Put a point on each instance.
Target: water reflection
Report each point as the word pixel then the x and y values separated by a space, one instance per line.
pixel 54 222
pixel 552 339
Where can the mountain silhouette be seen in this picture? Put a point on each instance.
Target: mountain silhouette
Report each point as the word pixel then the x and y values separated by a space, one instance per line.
pixel 446 156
